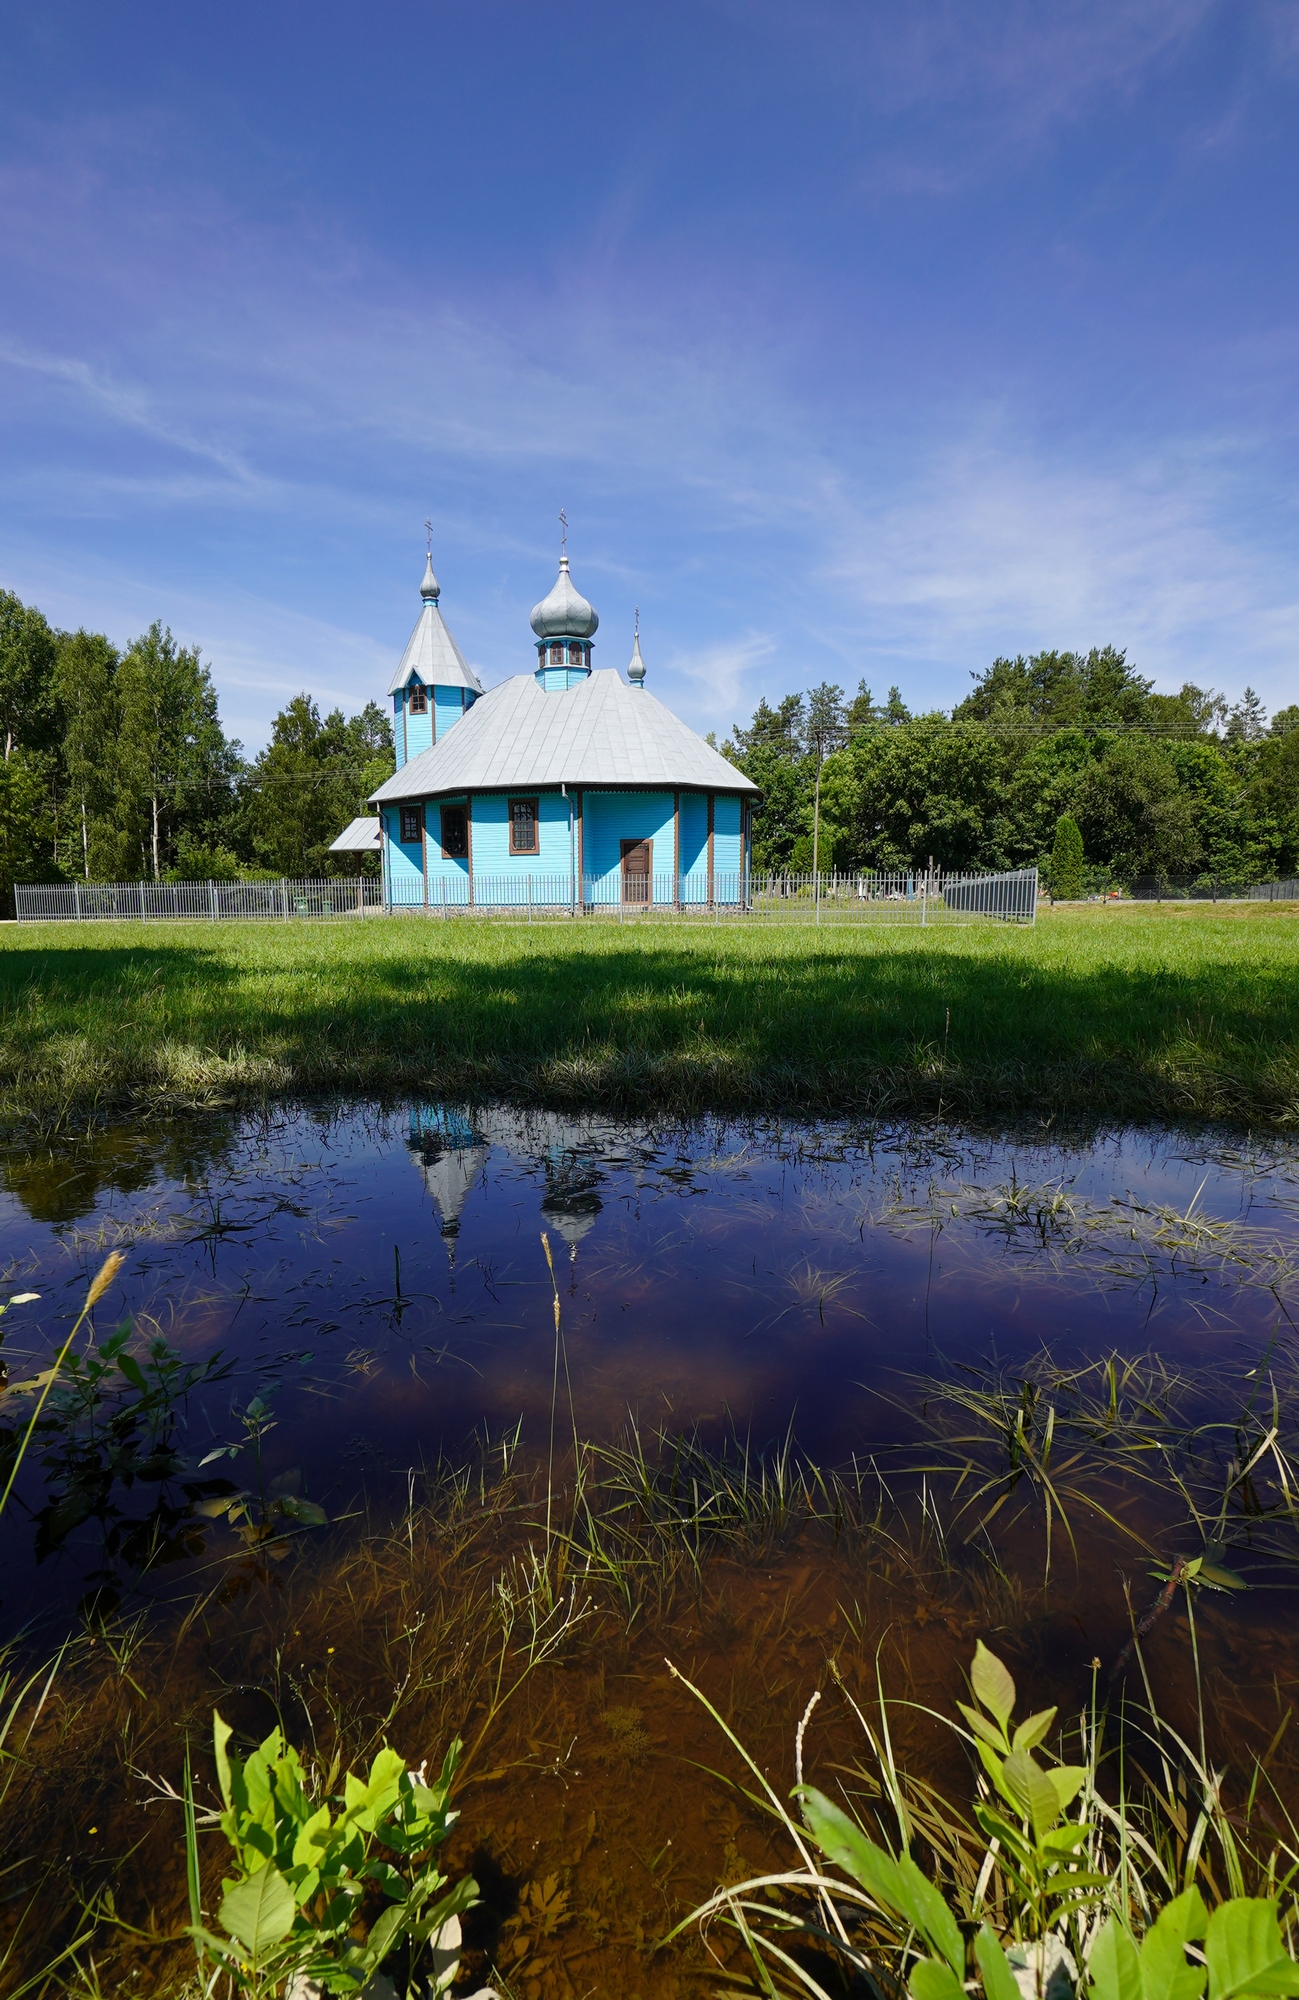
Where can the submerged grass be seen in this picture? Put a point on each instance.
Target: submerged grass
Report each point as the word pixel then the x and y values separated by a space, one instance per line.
pixel 526 1604
pixel 1140 1014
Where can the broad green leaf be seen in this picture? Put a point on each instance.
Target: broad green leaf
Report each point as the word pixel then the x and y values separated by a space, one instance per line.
pixel 312 1839
pixel 221 1734
pixel 1221 1578
pixel 987 1732
pixel 932 1980
pixel 259 1911
pixel 1114 1968
pixel 1245 1952
pixel 1164 1971
pixel 1030 1733
pixel 845 1844
pixel 130 1367
pixel 1028 1787
pixel 462 1897
pixel 1067 1781
pixel 992 1684
pixel 385 1932
pixel 927 1910
pixel 998 1979
pixel 305 1511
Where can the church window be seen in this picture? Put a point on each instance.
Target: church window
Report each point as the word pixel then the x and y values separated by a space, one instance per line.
pixel 523 826
pixel 455 833
pixel 557 656
pixel 410 825
pixel 418 699
pixel 575 655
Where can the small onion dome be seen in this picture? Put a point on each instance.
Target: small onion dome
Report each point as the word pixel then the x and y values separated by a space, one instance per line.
pixel 636 671
pixel 565 614
pixel 430 590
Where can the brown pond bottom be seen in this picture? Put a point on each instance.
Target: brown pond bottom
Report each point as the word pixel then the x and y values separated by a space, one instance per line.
pixel 600 1802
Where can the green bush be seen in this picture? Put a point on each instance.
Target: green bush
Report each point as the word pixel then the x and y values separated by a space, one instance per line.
pixel 1067 861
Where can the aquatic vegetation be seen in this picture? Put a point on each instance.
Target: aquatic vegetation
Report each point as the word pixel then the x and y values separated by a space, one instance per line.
pixel 1047 1879
pixel 321 1895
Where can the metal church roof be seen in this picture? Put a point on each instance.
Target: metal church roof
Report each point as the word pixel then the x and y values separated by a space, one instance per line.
pixel 601 732
pixel 433 656
pixel 360 836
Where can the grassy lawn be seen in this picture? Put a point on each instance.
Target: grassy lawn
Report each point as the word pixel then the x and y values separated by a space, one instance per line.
pixel 1132 1012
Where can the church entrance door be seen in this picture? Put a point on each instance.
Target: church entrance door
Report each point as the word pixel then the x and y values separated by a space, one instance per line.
pixel 636 864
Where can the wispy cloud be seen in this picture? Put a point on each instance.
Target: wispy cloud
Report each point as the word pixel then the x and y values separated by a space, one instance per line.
pixel 245 415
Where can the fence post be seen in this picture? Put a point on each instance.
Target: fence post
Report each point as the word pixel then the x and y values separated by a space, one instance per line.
pixel 284 893
pixel 212 899
pixel 76 897
pixel 924 900
pixel 143 912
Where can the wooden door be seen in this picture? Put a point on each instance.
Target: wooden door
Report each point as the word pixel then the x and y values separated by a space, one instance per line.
pixel 637 861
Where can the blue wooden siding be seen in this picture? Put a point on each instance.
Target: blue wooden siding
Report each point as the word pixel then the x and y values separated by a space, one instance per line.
pixel 405 861
pixel 694 847
pixel 451 704
pixel 556 679
pixel 728 862
pixel 492 857
pixel 609 818
pixel 413 733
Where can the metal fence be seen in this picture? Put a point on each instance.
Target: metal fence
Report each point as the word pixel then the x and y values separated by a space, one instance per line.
pixel 1206 889
pixel 923 898
pixel 92 902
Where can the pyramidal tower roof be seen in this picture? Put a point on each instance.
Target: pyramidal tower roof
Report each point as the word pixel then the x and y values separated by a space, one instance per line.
pixel 432 655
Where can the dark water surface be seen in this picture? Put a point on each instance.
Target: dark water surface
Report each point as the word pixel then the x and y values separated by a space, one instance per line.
pixel 379 1281
pixel 360 1299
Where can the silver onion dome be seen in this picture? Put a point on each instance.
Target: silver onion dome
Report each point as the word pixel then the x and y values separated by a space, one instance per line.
pixel 636 671
pixel 430 590
pixel 565 613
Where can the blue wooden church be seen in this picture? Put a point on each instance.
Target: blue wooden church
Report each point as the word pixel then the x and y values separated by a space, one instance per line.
pixel 565 785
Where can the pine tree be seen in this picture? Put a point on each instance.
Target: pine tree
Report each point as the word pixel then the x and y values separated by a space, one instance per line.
pixel 1067 861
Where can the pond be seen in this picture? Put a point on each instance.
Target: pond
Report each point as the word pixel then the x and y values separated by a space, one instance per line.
pixel 758 1389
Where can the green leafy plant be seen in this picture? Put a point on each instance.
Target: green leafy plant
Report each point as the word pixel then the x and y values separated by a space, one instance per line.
pixel 1244 1952
pixel 1052 1882
pixel 324 1890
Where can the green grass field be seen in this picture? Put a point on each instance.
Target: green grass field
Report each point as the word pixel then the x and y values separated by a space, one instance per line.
pixel 1133 1013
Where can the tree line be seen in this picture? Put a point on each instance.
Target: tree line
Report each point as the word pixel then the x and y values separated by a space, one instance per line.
pixel 1178 786
pixel 116 766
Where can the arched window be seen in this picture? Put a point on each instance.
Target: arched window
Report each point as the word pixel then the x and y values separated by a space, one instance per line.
pixel 557 655
pixel 575 654
pixel 418 699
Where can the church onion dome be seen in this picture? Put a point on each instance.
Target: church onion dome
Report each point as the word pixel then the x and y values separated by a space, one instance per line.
pixel 636 671
pixel 565 614
pixel 430 590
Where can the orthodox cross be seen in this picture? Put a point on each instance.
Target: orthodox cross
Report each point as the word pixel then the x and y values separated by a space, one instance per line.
pixel 563 540
pixel 428 530
pixel 638 621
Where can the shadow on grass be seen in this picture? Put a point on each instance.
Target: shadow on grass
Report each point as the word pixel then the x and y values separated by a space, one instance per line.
pixel 985 1028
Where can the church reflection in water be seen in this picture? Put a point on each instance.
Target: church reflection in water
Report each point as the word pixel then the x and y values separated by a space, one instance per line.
pixel 451 1147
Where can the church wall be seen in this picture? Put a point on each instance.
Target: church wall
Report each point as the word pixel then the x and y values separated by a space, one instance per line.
pixel 492 857
pixel 694 847
pixel 612 817
pixel 419 729
pixel 450 705
pixel 727 858
pixel 405 861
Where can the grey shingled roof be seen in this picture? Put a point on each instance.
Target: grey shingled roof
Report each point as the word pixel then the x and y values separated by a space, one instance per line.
pixel 359 836
pixel 434 656
pixel 600 732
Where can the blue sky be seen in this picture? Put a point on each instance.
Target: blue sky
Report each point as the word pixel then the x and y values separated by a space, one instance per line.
pixel 857 340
